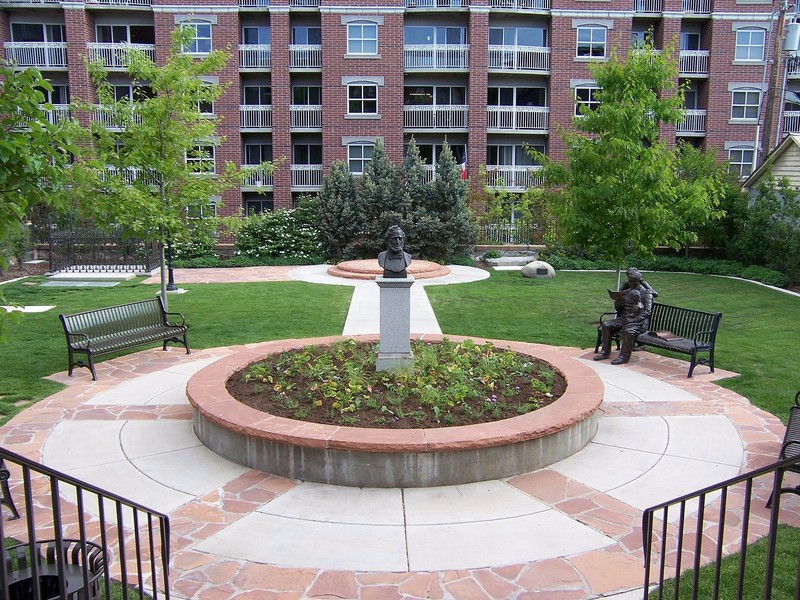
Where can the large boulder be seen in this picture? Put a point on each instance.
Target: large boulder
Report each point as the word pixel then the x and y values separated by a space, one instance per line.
pixel 538 269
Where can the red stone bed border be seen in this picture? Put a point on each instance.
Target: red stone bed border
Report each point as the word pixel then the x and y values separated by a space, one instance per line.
pixel 365 457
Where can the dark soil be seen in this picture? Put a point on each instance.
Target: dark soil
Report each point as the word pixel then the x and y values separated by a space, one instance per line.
pixel 15 272
pixel 410 414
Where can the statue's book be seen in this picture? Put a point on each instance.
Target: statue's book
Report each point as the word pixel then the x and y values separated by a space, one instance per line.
pixel 620 295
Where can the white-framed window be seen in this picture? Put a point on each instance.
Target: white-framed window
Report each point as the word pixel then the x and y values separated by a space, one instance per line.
pixel 307 154
pixel 196 212
pixel 37 32
pixel 303 35
pixel 517 96
pixel 430 153
pixel 200 159
pixel 434 95
pixel 358 156
pixel 511 155
pixel 586 96
pixel 416 35
pixel 591 41
pixel 132 93
pixel 201 39
pixel 740 161
pixel 750 44
pixel 690 40
pixel 640 38
pixel 255 154
pixel 121 34
pixel 518 36
pixel 745 104
pixel 307 95
pixel 362 38
pixel 255 204
pixel 362 99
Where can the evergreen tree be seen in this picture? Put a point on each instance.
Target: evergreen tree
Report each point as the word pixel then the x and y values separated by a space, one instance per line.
pixel 414 175
pixel 340 217
pixel 383 199
pixel 444 223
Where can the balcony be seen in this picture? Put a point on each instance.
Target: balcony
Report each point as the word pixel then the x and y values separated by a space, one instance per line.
pixel 256 117
pixel 255 56
pixel 694 124
pixel 521 4
pixel 32 2
pixel 430 56
pixel 304 3
pixel 113 118
pixel 436 3
pixel 306 177
pixel 57 113
pixel 518 118
pixel 131 175
pixel 305 56
pixel 253 3
pixel 121 2
pixel 116 56
pixel 698 7
pixel 519 58
pixel 793 69
pixel 258 179
pixel 791 121
pixel 693 62
pixel 43 55
pixel 512 178
pixel 435 117
pixel 306 116
pixel 647 6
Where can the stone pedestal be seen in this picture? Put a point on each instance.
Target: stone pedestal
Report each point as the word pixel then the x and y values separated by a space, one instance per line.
pixel 395 324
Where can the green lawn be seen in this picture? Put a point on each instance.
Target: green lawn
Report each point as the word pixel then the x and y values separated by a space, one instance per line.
pixel 217 315
pixel 758 334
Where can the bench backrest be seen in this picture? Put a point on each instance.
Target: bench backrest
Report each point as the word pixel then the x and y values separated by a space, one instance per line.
pixel 112 319
pixel 683 322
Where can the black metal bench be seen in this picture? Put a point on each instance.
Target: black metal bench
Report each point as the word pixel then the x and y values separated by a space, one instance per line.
pixel 106 330
pixel 682 330
pixel 791 446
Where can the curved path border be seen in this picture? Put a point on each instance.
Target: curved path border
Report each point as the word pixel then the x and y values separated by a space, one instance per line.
pixel 364 457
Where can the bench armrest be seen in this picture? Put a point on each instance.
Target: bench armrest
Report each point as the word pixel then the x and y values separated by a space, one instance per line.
pixel 797 399
pixel 794 445
pixel 605 315
pixel 178 317
pixel 703 337
pixel 77 337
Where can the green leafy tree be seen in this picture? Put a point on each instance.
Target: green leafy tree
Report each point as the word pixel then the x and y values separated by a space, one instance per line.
pixel 381 195
pixel 340 216
pixel 443 221
pixel 34 152
pixel 157 160
pixel 621 189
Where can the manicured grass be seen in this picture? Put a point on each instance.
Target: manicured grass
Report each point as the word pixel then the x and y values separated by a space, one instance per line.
pixel 217 315
pixel 758 334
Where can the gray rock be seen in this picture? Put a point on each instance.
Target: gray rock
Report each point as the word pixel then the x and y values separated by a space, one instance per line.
pixel 538 269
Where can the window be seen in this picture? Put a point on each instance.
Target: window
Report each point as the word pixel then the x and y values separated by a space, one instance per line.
pixel 509 96
pixel 307 95
pixel 362 38
pixel 690 41
pixel 305 36
pixel 133 93
pixel 201 41
pixel 255 204
pixel 201 159
pixel 58 95
pixel 750 44
pixel 586 96
pixel 690 98
pixel 307 154
pixel 791 101
pixel 255 154
pixel 430 153
pixel 745 104
pixel 510 155
pixel 518 36
pixel 592 41
pixel 358 156
pixel 121 34
pixel 37 32
pixel 640 38
pixel 419 35
pixel 257 95
pixel 256 35
pixel 740 161
pixel 429 95
pixel 196 212
pixel 362 99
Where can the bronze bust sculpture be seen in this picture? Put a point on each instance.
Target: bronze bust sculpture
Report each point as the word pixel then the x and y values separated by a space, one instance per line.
pixel 394 260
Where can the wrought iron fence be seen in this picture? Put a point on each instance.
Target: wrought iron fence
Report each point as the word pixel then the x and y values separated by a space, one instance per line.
pixel 89 250
pixel 73 538
pixel 697 528
pixel 524 232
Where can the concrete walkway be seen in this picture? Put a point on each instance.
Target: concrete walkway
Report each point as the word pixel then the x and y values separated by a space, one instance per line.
pixel 568 531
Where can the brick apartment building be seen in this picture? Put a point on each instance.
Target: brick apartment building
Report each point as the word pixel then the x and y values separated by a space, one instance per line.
pixel 315 81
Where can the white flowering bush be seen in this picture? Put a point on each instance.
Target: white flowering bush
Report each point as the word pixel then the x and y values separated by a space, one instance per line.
pixel 288 234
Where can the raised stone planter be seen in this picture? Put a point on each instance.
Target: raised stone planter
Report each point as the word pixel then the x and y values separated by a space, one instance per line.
pixel 364 457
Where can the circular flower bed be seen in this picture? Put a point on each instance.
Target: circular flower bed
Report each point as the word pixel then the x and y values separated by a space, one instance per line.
pixel 452 383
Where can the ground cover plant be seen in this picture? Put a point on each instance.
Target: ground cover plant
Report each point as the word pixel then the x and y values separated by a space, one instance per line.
pixel 451 383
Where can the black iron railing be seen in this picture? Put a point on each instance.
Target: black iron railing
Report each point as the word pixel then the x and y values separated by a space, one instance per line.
pixel 89 250
pixel 699 528
pixel 73 539
pixel 520 232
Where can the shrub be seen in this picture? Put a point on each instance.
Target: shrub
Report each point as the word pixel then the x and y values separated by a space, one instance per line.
pixel 199 242
pixel 283 234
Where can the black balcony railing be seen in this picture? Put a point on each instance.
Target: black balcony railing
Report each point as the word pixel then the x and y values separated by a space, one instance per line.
pixel 699 528
pixel 87 249
pixel 73 539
